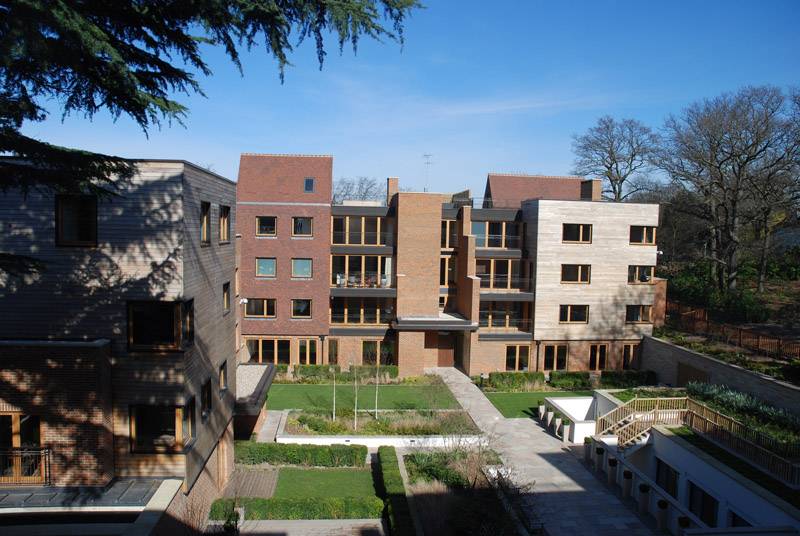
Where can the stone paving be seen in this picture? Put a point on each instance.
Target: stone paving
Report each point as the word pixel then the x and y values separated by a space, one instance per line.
pixel 269 428
pixel 326 527
pixel 566 497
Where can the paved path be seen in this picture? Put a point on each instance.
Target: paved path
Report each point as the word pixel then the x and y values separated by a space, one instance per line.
pixel 567 498
pixel 269 428
pixel 327 527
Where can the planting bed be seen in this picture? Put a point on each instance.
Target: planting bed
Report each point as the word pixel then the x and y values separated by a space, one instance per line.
pixel 402 423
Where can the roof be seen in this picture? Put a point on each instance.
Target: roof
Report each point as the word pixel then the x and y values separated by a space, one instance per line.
pixel 509 190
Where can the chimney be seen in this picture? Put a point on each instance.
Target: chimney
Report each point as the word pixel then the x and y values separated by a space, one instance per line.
pixel 392 187
pixel 592 190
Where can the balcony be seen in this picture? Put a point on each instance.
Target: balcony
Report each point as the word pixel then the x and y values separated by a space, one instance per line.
pixel 365 238
pixel 503 283
pixel 25 466
pixel 504 324
pixel 361 280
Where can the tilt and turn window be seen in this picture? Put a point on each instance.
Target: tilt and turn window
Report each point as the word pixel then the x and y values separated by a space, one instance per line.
pixel 573 314
pixel 155 325
pixel 76 220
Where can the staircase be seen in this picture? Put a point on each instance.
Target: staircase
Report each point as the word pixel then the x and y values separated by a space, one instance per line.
pixel 632 421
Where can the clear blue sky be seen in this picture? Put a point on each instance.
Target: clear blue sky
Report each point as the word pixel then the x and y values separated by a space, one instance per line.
pixel 483 86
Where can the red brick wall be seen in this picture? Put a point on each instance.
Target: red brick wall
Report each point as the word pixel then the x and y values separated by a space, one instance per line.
pixel 69 388
pixel 275 184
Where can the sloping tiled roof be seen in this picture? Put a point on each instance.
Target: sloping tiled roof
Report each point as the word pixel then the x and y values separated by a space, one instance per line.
pixel 510 190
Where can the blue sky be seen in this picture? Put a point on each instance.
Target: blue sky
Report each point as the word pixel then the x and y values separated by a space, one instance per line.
pixel 482 86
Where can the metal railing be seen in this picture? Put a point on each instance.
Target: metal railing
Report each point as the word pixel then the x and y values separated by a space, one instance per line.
pixel 361 280
pixel 25 466
pixel 510 324
pixel 496 241
pixel 370 238
pixel 503 283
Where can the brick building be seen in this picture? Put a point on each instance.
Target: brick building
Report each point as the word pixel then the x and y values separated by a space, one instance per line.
pixel 540 275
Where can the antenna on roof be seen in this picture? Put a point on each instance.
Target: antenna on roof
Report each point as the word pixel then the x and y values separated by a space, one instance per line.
pixel 428 164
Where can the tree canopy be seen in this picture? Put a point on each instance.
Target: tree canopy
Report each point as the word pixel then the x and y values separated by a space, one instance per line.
pixel 133 58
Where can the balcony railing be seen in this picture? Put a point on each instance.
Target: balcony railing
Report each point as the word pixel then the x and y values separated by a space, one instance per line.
pixel 361 280
pixel 370 238
pixel 503 283
pixel 496 241
pixel 504 324
pixel 25 466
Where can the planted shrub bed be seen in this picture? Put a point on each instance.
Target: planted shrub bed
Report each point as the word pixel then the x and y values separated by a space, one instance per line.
pixel 570 381
pixel 393 492
pixel 623 379
pixel 253 453
pixel 301 508
pixel 512 381
pixel 422 423
pixel 315 374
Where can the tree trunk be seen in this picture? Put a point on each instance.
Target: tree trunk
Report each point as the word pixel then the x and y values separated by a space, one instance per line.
pixel 764 254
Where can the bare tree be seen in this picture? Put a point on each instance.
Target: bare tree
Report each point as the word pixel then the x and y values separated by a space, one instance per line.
pixel 619 152
pixel 738 153
pixel 359 189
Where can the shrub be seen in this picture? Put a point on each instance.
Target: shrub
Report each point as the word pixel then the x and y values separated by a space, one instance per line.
pixel 394 493
pixel 251 453
pixel 436 466
pixel 739 306
pixel 570 381
pixel 624 379
pixel 321 372
pixel 514 381
pixel 281 369
pixel 384 371
pixel 307 508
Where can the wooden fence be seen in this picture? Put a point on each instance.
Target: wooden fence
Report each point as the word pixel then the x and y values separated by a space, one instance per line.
pixel 695 320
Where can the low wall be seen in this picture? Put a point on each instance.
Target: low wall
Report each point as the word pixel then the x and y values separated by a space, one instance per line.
pixel 674 365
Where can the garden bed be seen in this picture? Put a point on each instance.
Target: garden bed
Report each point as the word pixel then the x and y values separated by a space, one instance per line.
pixel 319 397
pixel 387 423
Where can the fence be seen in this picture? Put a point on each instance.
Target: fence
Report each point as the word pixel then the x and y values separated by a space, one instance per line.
pixel 695 320
pixel 25 466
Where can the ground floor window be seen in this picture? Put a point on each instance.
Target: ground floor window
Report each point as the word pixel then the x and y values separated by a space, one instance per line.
pixel 517 357
pixel 629 353
pixel 371 350
pixel 597 356
pixel 555 357
pixel 20 431
pixel 275 351
pixel 308 351
pixel 703 505
pixel 333 351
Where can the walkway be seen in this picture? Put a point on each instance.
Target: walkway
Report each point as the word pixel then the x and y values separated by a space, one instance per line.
pixel 566 497
pixel 326 527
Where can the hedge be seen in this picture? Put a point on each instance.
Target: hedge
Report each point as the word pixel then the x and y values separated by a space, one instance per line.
pixel 322 372
pixel 624 379
pixel 252 453
pixel 394 493
pixel 307 508
pixel 570 381
pixel 514 381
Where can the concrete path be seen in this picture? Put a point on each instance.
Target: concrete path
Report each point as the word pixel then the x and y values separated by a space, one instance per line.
pixel 565 496
pixel 269 428
pixel 327 527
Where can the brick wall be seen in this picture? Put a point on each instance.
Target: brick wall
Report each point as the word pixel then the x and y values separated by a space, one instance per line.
pixel 68 386
pixel 665 359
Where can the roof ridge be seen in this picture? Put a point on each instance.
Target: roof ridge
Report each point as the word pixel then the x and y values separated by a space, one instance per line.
pixel 289 154
pixel 537 175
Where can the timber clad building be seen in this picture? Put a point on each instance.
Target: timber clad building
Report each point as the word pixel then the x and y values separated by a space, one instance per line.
pixel 540 275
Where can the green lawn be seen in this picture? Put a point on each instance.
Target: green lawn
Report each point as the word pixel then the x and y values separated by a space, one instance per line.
pixel 526 404
pixel 295 483
pixel 320 397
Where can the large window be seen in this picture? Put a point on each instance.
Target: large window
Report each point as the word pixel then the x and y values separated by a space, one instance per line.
pixel 576 273
pixel 580 233
pixel 504 315
pixel 497 234
pixel 333 351
pixel 703 505
pixel 308 351
pixel 517 357
pixel 555 357
pixel 372 350
pixel 155 325
pixel 643 235
pixel 501 274
pixel 302 226
pixel 575 314
pixel 361 271
pixel 260 307
pixel 638 314
pixel 629 353
pixel 205 223
pixel 641 275
pixel 359 230
pixel 76 220
pixel 301 308
pixel 597 356
pixel 158 428
pixel 302 268
pixel 275 351
pixel 266 267
pixel 18 430
pixel 266 226
pixel 666 478
pixel 224 223
pixel 361 310
pixel 449 238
